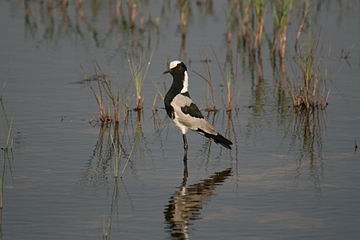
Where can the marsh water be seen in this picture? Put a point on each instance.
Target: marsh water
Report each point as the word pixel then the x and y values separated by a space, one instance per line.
pixel 288 176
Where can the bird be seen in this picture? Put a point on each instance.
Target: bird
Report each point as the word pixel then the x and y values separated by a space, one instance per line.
pixel 183 111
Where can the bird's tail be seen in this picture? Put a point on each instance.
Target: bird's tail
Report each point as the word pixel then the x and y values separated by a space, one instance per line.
pixel 219 139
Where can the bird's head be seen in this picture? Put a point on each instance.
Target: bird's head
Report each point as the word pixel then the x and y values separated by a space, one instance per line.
pixel 176 67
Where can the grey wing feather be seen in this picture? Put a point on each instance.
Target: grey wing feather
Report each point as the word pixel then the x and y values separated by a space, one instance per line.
pixel 183 105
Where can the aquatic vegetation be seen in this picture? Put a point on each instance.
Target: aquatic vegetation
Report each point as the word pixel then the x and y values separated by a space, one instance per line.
pixel 303 21
pixel 229 76
pixel 309 90
pixel 282 10
pixel 104 85
pixel 210 104
pixel 107 97
pixel 138 71
pixel 260 19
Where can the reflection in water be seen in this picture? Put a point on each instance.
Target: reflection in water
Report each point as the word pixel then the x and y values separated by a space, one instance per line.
pixel 184 8
pixel 113 209
pixel 185 205
pixel 101 157
pixel 129 23
pixel 6 148
pixel 307 134
pixel 116 150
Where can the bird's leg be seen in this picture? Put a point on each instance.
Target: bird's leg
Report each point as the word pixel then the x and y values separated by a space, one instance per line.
pixel 185 142
pixel 185 169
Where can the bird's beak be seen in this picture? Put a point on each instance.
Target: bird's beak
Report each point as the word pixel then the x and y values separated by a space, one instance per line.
pixel 167 71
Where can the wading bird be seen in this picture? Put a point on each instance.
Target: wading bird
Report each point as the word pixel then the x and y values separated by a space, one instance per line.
pixel 183 111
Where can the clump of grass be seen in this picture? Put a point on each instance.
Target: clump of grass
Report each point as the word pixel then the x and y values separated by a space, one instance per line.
pixel 139 71
pixel 104 113
pixel 108 101
pixel 308 93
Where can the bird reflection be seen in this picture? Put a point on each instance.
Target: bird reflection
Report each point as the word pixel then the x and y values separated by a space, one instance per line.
pixel 185 205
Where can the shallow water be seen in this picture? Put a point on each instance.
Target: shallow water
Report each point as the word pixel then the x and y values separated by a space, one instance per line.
pixel 287 177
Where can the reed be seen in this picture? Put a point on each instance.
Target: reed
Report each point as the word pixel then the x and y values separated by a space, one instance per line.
pixel 245 22
pixel 105 116
pixel 158 94
pixel 260 18
pixel 282 10
pixel 139 71
pixel 210 107
pixel 303 21
pixel 229 76
pixel 108 99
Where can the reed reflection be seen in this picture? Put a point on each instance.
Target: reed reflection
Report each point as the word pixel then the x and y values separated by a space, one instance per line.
pixel 307 134
pixel 117 149
pixel 6 147
pixel 130 21
pixel 186 203
pixel 184 9
pixel 113 207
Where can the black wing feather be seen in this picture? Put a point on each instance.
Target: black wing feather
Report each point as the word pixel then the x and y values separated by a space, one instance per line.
pixel 192 110
pixel 170 111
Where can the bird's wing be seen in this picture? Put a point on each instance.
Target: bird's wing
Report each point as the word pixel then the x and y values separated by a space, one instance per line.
pixel 186 105
pixel 188 114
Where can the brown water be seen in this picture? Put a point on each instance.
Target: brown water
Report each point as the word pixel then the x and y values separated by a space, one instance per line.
pixel 287 177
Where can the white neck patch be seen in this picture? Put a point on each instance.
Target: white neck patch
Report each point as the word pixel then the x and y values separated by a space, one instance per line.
pixel 185 83
pixel 174 64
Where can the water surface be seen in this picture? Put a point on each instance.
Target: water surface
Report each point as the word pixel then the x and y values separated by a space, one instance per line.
pixel 287 177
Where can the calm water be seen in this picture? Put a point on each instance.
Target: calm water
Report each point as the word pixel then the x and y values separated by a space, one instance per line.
pixel 287 177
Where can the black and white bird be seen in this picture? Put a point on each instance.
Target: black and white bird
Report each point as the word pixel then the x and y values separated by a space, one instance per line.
pixel 183 111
